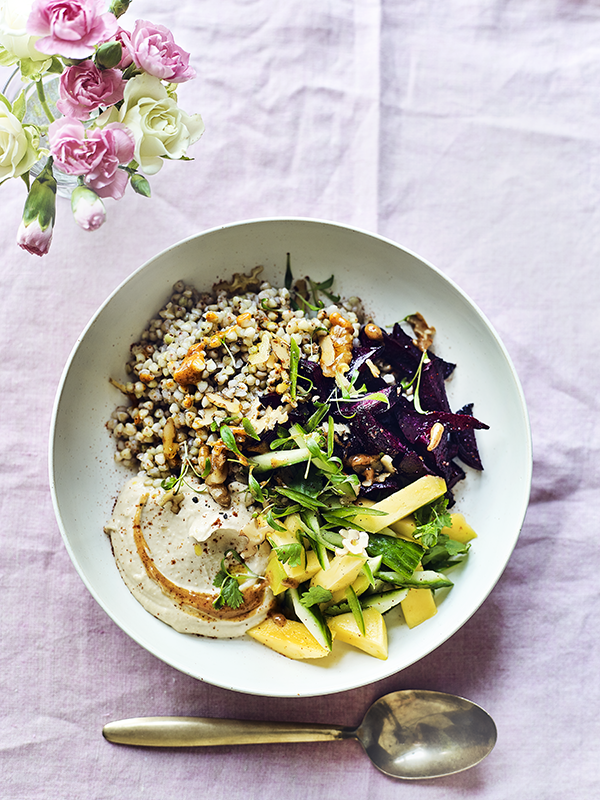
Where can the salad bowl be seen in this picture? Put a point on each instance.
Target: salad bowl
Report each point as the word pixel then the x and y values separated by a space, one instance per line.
pixel 392 282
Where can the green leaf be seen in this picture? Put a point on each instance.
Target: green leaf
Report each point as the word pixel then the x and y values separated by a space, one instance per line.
pixel 272 523
pixel 315 596
pixel 20 106
pixel 290 554
pixel 249 428
pixel 255 488
pixel 289 278
pixel 303 499
pixel 56 67
pixel 431 519
pixel 229 594
pixel 445 553
pixel 229 441
pixel 169 483
pixel 294 361
pixel 330 436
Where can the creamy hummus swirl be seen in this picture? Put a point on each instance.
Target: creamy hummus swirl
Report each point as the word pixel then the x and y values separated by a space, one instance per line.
pixel 169 561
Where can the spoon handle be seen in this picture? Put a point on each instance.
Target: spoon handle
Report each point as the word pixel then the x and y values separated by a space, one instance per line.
pixel 203 731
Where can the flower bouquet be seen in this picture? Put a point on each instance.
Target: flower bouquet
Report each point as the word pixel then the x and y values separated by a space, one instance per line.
pixel 114 118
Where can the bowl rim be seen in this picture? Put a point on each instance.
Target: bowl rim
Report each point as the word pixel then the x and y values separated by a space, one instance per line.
pixel 520 396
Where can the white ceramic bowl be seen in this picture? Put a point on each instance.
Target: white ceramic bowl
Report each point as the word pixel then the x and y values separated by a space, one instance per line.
pixel 393 282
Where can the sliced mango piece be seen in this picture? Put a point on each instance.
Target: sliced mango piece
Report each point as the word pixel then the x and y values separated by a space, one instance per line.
pixel 276 575
pixel 460 530
pixel 341 572
pixel 418 606
pixel 311 567
pixel 292 639
pixel 374 642
pixel 403 502
pixel 405 528
pixel 360 585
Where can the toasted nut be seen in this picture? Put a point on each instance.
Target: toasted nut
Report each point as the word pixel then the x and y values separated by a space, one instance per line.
pixel 423 332
pixel 170 446
pixel 218 465
pixel 220 494
pixel 373 332
pixel 435 435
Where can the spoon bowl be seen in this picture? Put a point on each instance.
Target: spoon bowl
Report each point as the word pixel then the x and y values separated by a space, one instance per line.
pixel 409 734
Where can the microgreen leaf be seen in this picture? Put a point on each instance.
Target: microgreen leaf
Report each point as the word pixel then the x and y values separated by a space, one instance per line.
pixel 249 428
pixel 294 361
pixel 255 488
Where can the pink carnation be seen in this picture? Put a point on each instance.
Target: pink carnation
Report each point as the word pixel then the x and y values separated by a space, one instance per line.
pixel 33 238
pixel 84 88
pixel 154 51
pixel 96 154
pixel 70 28
pixel 124 38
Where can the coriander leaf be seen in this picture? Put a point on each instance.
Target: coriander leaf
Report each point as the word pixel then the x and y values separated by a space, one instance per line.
pixel 289 554
pixel 430 520
pixel 314 596
pixel 229 594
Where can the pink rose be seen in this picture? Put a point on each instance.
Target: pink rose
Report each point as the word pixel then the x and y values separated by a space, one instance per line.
pixel 84 88
pixel 96 154
pixel 154 51
pixel 70 28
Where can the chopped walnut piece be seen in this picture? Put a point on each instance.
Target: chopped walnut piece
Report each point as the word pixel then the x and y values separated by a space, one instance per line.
pixel 336 347
pixel 240 283
pixel 423 332
pixel 192 366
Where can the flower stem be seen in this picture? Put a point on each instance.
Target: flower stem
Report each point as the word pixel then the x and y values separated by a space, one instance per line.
pixel 42 98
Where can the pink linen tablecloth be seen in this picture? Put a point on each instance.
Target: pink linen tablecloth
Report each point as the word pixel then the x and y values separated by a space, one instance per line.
pixel 468 131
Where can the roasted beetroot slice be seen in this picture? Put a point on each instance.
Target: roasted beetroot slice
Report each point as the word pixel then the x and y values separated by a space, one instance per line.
pixel 468 452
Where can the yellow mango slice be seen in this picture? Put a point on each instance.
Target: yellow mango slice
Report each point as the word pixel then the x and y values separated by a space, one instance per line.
pixel 403 502
pixel 418 606
pixel 460 530
pixel 360 585
pixel 341 572
pixel 292 639
pixel 374 642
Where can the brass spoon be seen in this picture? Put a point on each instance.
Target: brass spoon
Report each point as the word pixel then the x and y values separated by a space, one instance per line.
pixel 409 734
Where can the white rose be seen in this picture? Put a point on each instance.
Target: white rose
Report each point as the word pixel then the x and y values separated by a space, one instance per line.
pixel 160 128
pixel 13 36
pixel 18 145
